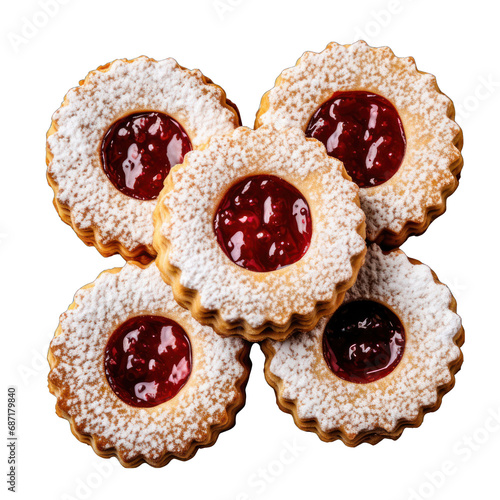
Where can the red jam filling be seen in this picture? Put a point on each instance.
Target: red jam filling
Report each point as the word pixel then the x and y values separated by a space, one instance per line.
pixel 147 360
pixel 364 131
pixel 139 150
pixel 363 342
pixel 263 223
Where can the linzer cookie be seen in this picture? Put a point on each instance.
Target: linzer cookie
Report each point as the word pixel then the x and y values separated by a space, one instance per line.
pixel 137 377
pixel 384 359
pixel 115 139
pixel 260 233
pixel 386 121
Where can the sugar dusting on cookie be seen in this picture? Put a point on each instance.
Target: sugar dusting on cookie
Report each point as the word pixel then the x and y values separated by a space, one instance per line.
pixel 224 287
pixel 87 397
pixel 424 308
pixel 90 109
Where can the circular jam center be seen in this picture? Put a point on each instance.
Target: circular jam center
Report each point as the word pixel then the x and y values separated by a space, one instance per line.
pixel 364 131
pixel 263 223
pixel 139 150
pixel 147 360
pixel 363 341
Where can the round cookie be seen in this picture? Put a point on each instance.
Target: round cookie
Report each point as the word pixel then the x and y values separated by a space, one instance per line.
pixel 115 138
pixel 137 377
pixel 382 361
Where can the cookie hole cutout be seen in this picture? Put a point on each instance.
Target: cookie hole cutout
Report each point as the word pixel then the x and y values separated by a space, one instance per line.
pixel 263 223
pixel 148 360
pixel 364 131
pixel 138 151
pixel 364 341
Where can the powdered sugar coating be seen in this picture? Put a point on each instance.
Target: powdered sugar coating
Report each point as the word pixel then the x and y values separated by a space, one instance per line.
pixel 426 171
pixel 423 306
pixel 192 198
pixel 173 426
pixel 125 87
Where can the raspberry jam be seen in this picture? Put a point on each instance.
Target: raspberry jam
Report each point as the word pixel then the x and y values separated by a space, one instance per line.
pixel 363 341
pixel 263 223
pixel 139 150
pixel 147 360
pixel 364 131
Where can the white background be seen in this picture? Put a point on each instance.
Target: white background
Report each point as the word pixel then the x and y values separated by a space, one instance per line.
pixel 243 46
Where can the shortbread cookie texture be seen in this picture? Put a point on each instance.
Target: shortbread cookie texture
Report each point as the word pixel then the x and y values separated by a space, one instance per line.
pixel 137 377
pixel 115 138
pixel 384 359
pixel 386 120
pixel 260 233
